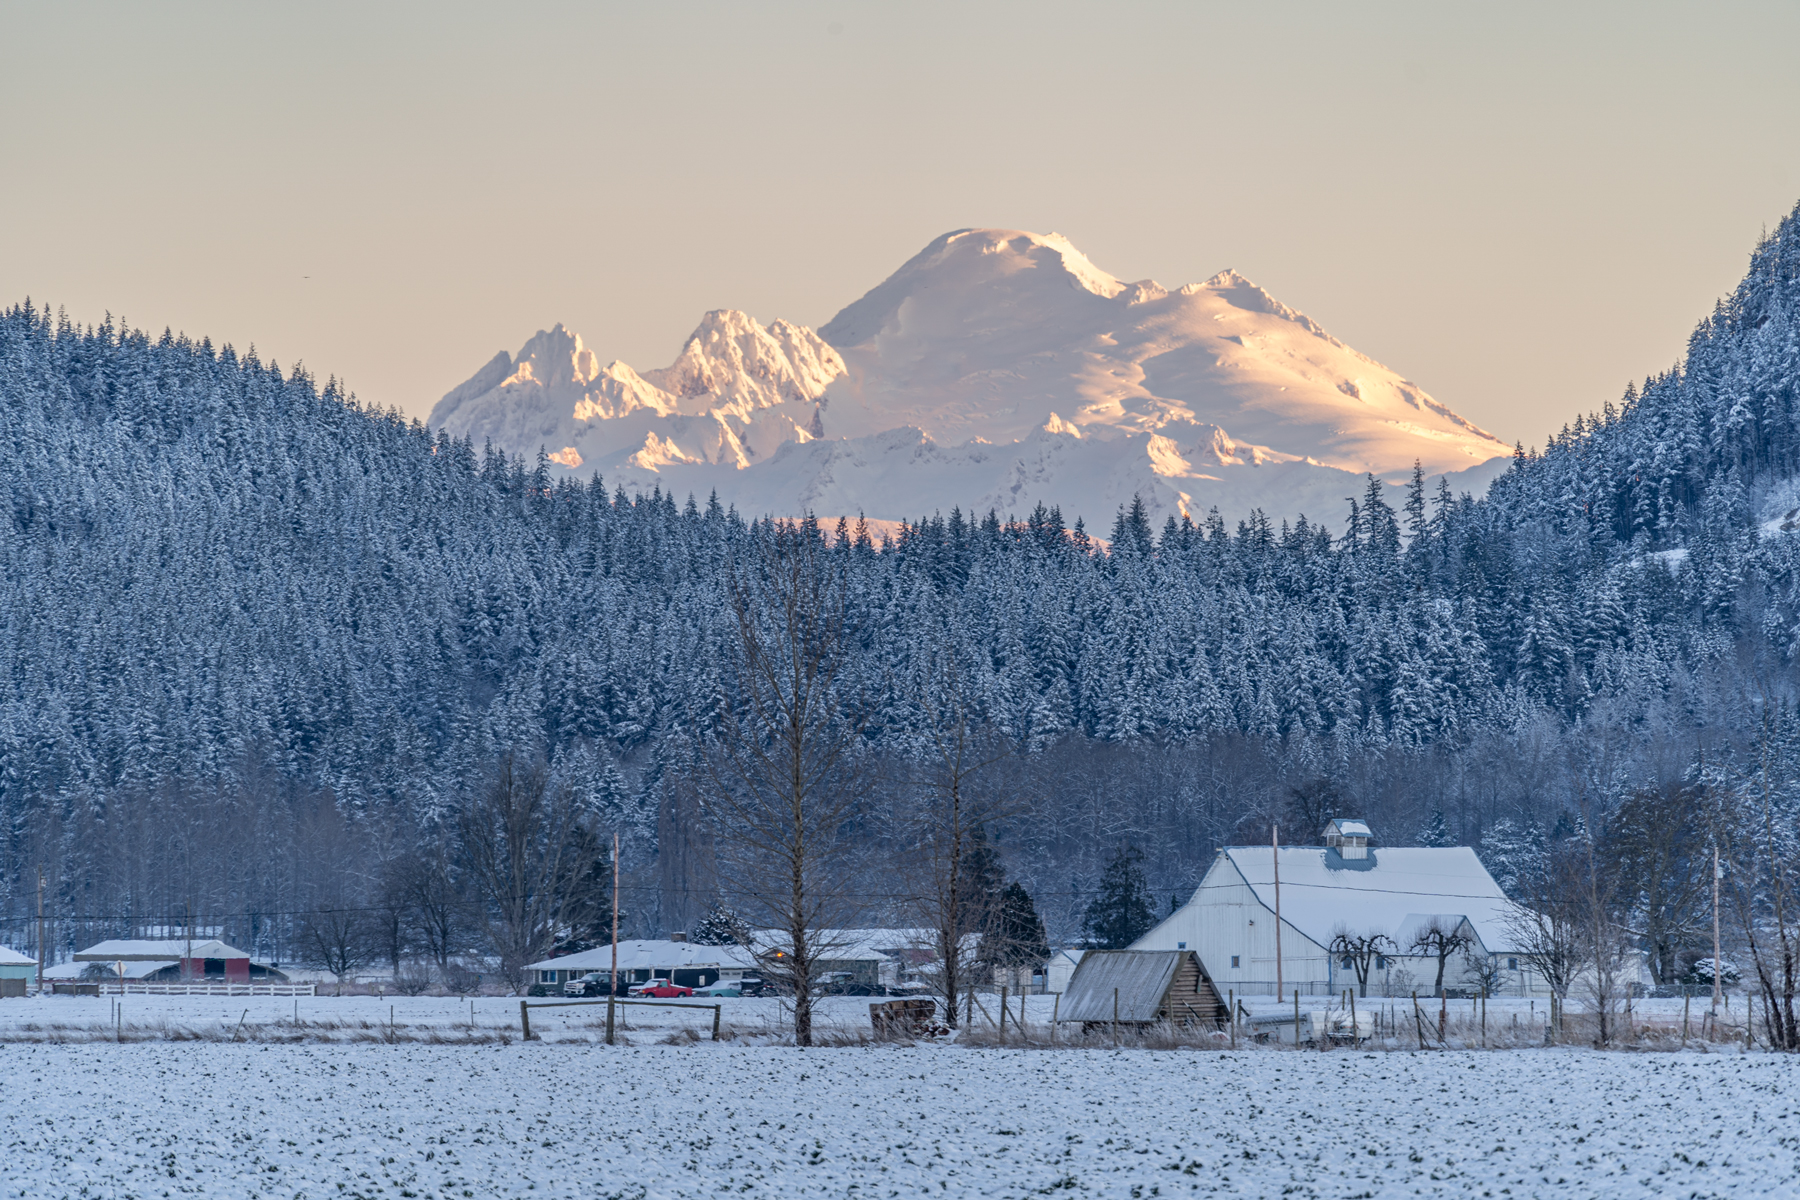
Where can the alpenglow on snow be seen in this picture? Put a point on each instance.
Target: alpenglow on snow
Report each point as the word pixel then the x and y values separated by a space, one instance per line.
pixel 996 369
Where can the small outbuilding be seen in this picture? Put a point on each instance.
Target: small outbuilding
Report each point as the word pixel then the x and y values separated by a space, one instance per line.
pixel 1142 987
pixel 1061 969
pixel 15 972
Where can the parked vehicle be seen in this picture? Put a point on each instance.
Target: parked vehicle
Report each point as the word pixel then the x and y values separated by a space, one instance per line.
pixel 661 989
pixel 591 984
pixel 751 985
pixel 724 987
pixel 843 983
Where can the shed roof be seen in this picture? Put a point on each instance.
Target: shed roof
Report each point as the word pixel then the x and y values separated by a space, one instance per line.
pixel 1350 827
pixel 1321 891
pixel 143 950
pixel 1140 977
pixel 12 958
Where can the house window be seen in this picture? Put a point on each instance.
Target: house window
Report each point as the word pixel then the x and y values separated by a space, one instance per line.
pixel 1512 964
pixel 1381 962
pixel 1348 963
pixel 1234 959
pixel 1181 945
pixel 548 976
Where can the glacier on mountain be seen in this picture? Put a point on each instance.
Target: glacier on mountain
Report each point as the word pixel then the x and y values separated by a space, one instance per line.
pixel 995 369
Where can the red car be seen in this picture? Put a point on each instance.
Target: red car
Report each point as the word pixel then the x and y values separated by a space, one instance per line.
pixel 662 990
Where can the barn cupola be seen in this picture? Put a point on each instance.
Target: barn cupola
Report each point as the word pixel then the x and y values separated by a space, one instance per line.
pixel 1350 838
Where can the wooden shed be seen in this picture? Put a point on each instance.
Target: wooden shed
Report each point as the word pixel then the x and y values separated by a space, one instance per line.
pixel 1141 987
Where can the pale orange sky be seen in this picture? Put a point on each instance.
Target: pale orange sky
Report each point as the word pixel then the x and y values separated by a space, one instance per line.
pixel 1519 206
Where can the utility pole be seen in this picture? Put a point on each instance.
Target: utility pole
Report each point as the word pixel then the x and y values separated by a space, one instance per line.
pixel 1715 962
pixel 612 983
pixel 1275 856
pixel 40 945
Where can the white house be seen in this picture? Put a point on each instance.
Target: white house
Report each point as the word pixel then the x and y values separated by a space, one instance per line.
pixel 1346 886
pixel 690 964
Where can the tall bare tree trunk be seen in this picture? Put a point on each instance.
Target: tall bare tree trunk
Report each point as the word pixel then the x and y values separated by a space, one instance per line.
pixel 782 768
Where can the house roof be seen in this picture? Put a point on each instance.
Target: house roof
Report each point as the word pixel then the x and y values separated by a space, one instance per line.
pixel 1351 828
pixel 12 958
pixel 1140 979
pixel 850 945
pixel 1321 892
pixel 139 950
pixel 639 954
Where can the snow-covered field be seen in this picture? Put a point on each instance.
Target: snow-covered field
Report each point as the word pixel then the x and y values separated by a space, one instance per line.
pixel 328 1018
pixel 548 1120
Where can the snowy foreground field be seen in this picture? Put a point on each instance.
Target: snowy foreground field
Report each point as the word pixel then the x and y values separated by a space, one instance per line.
pixel 338 1106
pixel 548 1120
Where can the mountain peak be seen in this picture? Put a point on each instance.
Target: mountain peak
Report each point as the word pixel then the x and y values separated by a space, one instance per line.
pixel 1018 362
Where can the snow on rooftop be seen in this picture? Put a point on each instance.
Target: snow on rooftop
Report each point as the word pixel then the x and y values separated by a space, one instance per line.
pixel 134 968
pixel 12 958
pixel 639 954
pixel 116 949
pixel 1321 893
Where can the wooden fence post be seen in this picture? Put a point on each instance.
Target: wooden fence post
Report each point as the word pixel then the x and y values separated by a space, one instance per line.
pixel 1296 1016
pixel 1232 1012
pixel 1115 1018
pixel 1003 998
pixel 524 1023
pixel 716 1009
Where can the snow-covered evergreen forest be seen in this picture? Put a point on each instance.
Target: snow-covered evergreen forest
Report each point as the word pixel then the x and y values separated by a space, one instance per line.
pixel 258 640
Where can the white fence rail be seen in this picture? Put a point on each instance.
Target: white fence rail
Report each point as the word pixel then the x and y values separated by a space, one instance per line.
pixel 208 989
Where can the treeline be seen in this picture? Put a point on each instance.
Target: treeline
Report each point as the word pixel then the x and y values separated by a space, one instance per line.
pixel 258 641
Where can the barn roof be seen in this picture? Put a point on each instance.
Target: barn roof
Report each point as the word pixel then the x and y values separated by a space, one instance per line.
pixel 1321 892
pixel 134 969
pixel 1141 978
pixel 142 950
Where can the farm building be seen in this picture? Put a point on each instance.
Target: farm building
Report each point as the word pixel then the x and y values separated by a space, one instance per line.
pixel 1348 886
pixel 166 960
pixel 1139 987
pixel 16 972
pixel 689 964
pixel 1061 969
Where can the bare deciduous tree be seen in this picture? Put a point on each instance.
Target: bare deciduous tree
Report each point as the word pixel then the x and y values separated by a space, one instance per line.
pixel 945 832
pixel 341 939
pixel 1756 823
pixel 1359 951
pixel 525 850
pixel 783 771
pixel 1440 938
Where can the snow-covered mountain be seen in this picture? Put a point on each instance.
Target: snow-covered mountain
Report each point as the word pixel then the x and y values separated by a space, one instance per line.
pixel 996 369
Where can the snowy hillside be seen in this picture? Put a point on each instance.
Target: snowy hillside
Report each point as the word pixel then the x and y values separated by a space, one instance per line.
pixel 996 369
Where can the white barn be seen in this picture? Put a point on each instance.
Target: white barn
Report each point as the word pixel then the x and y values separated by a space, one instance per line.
pixel 1350 886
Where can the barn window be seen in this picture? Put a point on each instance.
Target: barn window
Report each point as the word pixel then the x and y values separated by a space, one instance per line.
pixel 1234 959
pixel 1381 962
pixel 1512 964
pixel 1348 962
pixel 1181 945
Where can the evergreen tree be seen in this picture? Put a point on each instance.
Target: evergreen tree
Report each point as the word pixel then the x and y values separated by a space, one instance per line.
pixel 719 927
pixel 1436 831
pixel 1121 912
pixel 1016 938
